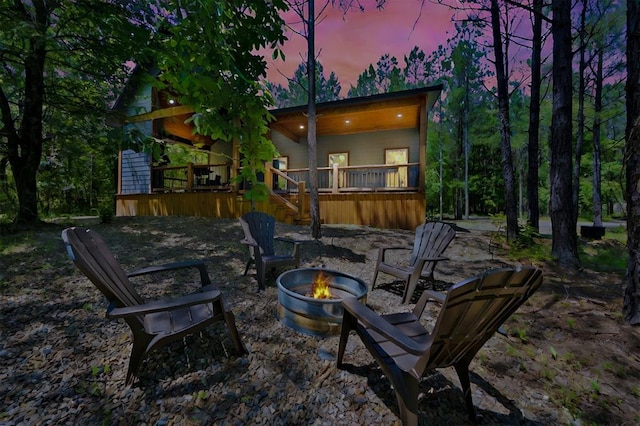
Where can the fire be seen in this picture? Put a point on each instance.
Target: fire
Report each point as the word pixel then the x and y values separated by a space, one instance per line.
pixel 320 287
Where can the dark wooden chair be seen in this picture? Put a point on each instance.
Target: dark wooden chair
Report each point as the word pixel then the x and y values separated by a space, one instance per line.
pixel 259 229
pixel 153 323
pixel 472 311
pixel 431 240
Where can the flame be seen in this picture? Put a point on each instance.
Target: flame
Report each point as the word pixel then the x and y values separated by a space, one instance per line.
pixel 320 287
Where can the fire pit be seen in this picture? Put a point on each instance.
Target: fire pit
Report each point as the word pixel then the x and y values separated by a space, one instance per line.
pixel 321 315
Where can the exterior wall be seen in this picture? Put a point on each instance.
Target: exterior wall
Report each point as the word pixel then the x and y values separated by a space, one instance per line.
pixel 297 152
pixel 200 204
pixel 379 210
pixel 135 173
pixel 363 148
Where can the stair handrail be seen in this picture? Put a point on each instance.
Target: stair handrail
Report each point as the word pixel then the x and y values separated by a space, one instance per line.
pixel 300 186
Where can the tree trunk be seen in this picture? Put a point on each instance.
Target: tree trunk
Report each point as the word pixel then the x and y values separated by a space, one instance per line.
pixel 465 142
pixel 597 191
pixel 564 246
pixel 459 192
pixel 24 148
pixel 511 207
pixel 580 133
pixel 631 303
pixel 534 119
pixel 311 126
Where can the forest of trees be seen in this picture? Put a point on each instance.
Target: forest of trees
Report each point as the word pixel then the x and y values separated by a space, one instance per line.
pixel 463 131
pixel 533 119
pixel 465 122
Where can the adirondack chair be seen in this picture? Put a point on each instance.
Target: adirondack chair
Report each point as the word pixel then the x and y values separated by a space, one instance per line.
pixel 431 240
pixel 472 311
pixel 153 323
pixel 259 229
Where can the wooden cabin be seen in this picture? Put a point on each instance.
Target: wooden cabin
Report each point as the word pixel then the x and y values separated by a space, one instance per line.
pixel 371 155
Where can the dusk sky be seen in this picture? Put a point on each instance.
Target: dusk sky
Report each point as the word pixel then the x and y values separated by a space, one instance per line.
pixel 348 43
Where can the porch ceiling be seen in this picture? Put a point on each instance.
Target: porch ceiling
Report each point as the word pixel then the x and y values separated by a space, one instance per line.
pixel 396 114
pixel 388 111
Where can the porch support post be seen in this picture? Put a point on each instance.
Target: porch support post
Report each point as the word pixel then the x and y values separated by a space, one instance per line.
pixel 119 189
pixel 268 175
pixel 334 188
pixel 302 193
pixel 423 145
pixel 189 177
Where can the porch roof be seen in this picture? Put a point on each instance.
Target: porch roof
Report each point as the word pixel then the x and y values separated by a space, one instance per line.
pixel 387 111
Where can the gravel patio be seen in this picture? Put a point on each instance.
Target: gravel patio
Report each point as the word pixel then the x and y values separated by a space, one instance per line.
pixel 62 362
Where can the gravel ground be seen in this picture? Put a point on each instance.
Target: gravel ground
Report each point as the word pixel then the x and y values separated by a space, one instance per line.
pixel 62 362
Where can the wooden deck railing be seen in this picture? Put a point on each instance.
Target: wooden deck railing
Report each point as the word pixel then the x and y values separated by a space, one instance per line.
pixel 385 177
pixel 336 179
pixel 192 177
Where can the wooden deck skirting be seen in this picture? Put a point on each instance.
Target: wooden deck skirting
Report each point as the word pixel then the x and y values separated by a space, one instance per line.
pixel 396 210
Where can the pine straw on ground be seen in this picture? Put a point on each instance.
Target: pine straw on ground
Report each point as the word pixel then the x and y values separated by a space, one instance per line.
pixel 566 355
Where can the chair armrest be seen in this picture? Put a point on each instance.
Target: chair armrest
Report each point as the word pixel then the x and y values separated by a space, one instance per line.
pixel 394 248
pixel 287 240
pixel 198 298
pixel 375 322
pixel 249 242
pixel 425 297
pixel 383 250
pixel 199 264
pixel 296 246
pixel 434 259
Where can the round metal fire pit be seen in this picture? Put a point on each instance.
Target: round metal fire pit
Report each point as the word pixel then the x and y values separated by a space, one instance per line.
pixel 297 309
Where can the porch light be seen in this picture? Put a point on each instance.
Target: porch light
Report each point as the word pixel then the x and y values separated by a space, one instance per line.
pixel 399 115
pixel 302 126
pixel 347 121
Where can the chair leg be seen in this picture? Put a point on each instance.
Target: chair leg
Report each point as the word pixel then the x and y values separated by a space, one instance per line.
pixel 375 277
pixel 410 288
pixel 462 368
pixel 406 390
pixel 261 275
pixel 138 352
pixel 348 323
pixel 230 320
pixel 249 263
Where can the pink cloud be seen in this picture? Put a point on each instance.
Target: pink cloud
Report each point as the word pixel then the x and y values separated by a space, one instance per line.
pixel 347 44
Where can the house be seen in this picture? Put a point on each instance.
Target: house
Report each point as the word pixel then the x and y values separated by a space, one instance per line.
pixel 371 154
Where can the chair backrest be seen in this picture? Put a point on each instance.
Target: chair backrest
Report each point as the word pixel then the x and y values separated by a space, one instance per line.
pixel 260 228
pixel 475 308
pixel 91 255
pixel 431 240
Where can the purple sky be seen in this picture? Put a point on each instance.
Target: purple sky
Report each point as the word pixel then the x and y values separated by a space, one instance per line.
pixel 347 44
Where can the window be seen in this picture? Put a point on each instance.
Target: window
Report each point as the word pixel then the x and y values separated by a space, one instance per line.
pixel 281 163
pixel 397 177
pixel 341 159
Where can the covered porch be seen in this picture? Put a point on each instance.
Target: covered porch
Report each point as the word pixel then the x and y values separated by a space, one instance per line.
pixel 371 165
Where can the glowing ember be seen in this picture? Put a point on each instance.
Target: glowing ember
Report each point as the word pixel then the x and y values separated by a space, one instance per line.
pixel 320 287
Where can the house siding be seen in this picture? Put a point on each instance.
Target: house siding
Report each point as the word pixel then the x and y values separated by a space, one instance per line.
pixel 136 173
pixel 379 210
pixel 364 148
